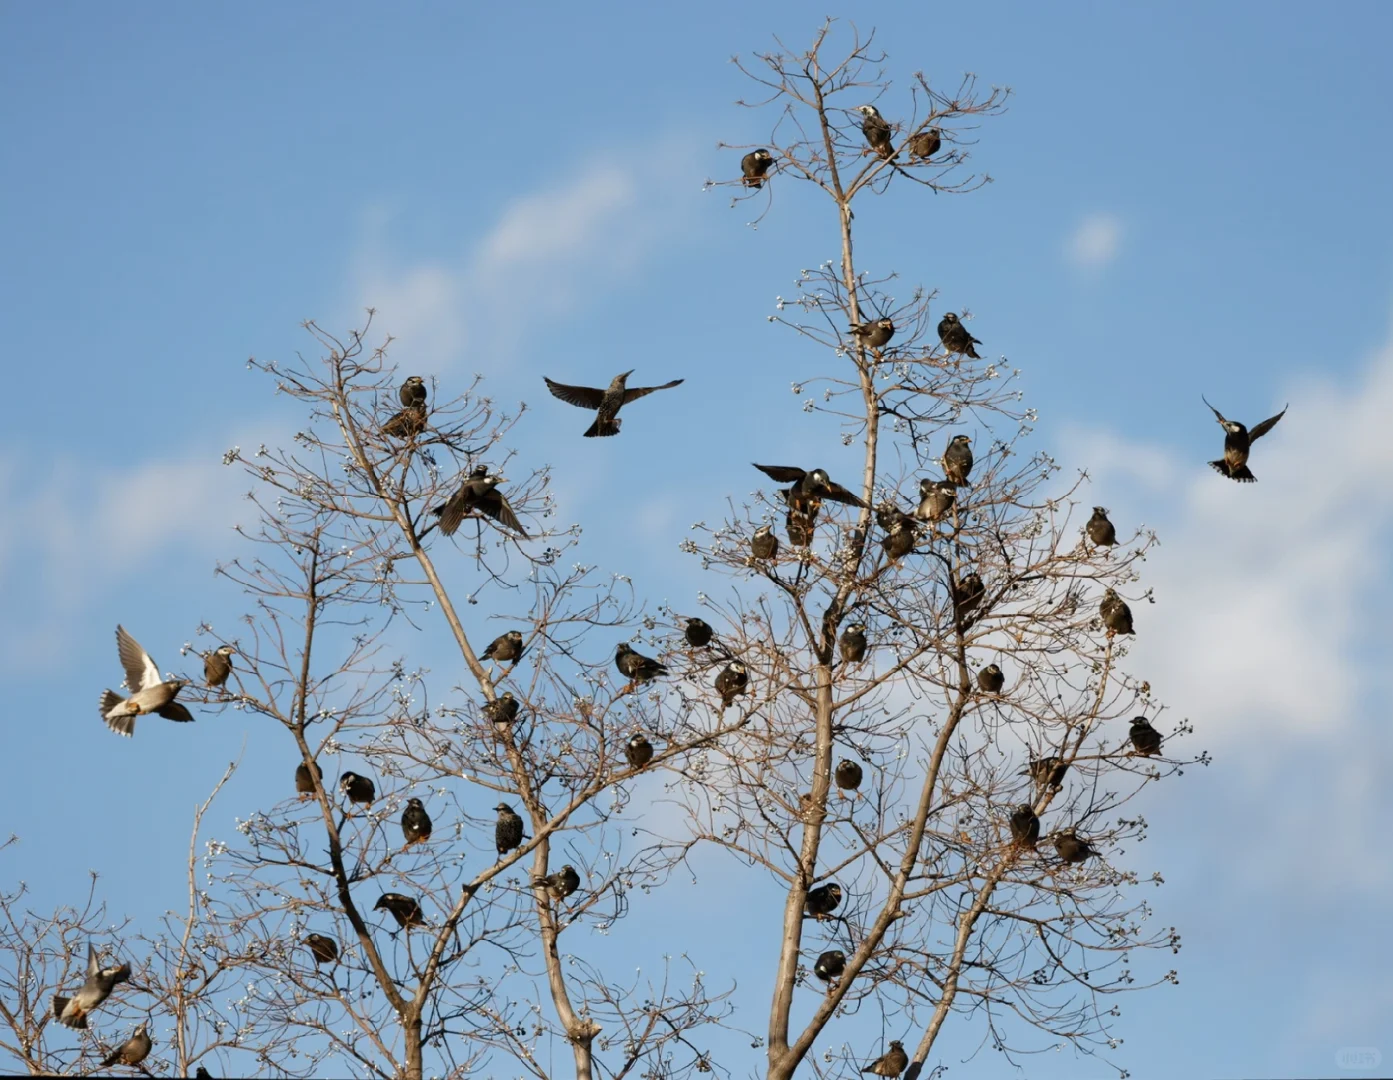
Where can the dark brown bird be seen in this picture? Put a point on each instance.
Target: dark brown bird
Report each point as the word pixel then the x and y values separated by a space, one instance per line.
pixel 874 335
pixel 967 593
pixel 764 544
pixel 732 681
pixel 830 965
pixel 202 1074
pixel 149 691
pixel 1046 771
pixel 876 130
pixel 415 823
pixel 1115 613
pixel 823 900
pixel 217 666
pixel 899 541
pixel 507 831
pixel 990 679
pixel 925 144
pixel 957 460
pixel 754 166
pixel 359 789
pixel 506 648
pixel 131 1052
pixel 304 782
pixel 1070 848
pixel 847 776
pixel 955 337
pixel 639 751
pixel 402 908
pixel 325 950
pixel 1025 827
pixel 805 498
pixel 406 424
pixel 501 711
pixel 698 633
pixel 560 884
pixel 1145 738
pixel 1238 440
pixel 893 1062
pixel 1100 529
pixel 412 392
pixel 936 499
pixel 96 988
pixel 852 643
pixel 607 402
pixel 478 494
pixel 636 667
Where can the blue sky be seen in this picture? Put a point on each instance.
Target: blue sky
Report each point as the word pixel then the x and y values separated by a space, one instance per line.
pixel 1189 199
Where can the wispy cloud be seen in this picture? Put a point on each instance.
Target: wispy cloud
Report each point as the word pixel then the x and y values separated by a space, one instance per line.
pixel 1095 243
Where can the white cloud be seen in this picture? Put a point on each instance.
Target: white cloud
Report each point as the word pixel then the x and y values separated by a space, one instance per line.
pixel 1096 242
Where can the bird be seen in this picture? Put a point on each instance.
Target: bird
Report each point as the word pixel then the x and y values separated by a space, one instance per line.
pixel 830 965
pixel 359 789
pixel 325 950
pixel 990 679
pixel 764 544
pixel 852 643
pixel 753 167
pixel 217 666
pixel 505 648
pixel 957 460
pixel 1238 440
pixel 507 831
pixel 874 335
pixel 501 711
pixel 406 424
pixel 1046 771
pixel 1070 848
pixel 1145 738
pixel 133 1051
pixel 955 337
pixel 823 900
pixel 732 681
pixel 96 988
pixel 847 776
pixel 891 1063
pixel 636 667
pixel 936 498
pixel 304 782
pixel 698 633
pixel 876 130
pixel 202 1074
pixel 415 823
pixel 899 540
pixel 479 492
pixel 805 497
pixel 967 593
pixel 413 391
pixel 402 908
pixel 607 402
pixel 1100 530
pixel 150 693
pixel 925 144
pixel 1025 827
pixel 1115 613
pixel 560 884
pixel 638 751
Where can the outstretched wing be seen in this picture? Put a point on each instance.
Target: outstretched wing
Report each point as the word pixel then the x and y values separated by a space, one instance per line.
pixel 176 712
pixel 633 393
pixel 93 967
pixel 1220 415
pixel 141 672
pixel 451 513
pixel 784 474
pixel 1267 425
pixel 496 506
pixel 837 493
pixel 583 397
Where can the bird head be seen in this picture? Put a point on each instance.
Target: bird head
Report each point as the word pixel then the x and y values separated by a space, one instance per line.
pixel 1109 593
pixel 992 669
pixel 1100 511
pixel 764 530
pixel 856 628
pixel 737 667
pixel 226 650
pixel 819 476
pixel 958 440
pixel 885 324
pixel 834 891
pixel 622 649
pixel 895 1044
pixel 951 319
pixel 868 111
pixel 347 780
pixel 479 472
pixel 415 804
pixel 503 808
pixel 763 155
pixel 622 379
pixel 507 696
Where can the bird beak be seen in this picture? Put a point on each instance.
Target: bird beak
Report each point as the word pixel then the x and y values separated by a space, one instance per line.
pixel 629 372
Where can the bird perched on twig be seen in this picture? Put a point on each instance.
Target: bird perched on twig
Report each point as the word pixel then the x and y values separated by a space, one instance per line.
pixel 893 1062
pixel 217 666
pixel 359 789
pixel 560 884
pixel 823 900
pixel 936 499
pixel 955 337
pixel 876 130
pixel 638 751
pixel 990 679
pixel 968 591
pixel 415 823
pixel 1025 827
pixel 412 392
pixel 507 831
pixel 852 644
pixel 479 492
pixel 874 335
pixel 1070 848
pixel 501 711
pixel 150 691
pixel 698 633
pixel 957 460
pixel 899 540
pixel 732 681
pixel 830 966
pixel 754 166
pixel 96 988
pixel 325 950
pixel 606 402
pixel 847 776
pixel 1046 771
pixel 406 424
pixel 402 908
pixel 805 498
pixel 1145 738
pixel 1238 440
pixel 764 544
pixel 304 782
pixel 925 144
pixel 505 648
pixel 636 667
pixel 1115 613
pixel 133 1051
pixel 1100 529
pixel 202 1074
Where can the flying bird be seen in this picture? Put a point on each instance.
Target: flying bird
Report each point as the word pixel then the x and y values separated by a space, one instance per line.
pixel 505 648
pixel 874 335
pixel 479 492
pixel 1115 613
pixel 636 667
pixel 415 823
pixel 359 789
pixel 607 402
pixel 501 711
pixel 217 666
pixel 412 392
pixel 304 782
pixel 955 337
pixel 131 1052
pixel 1070 848
pixel 764 544
pixel 698 633
pixel 876 130
pixel 852 643
pixel 936 499
pixel 1100 529
pixel 406 424
pixel 639 751
pixel 1238 440
pixel 325 950
pixel 893 1062
pixel 1145 738
pixel 731 683
pixel 1046 771
pixel 96 988
pixel 754 166
pixel 925 144
pixel 847 775
pixel 1025 827
pixel 957 460
pixel 823 900
pixel 507 831
pixel 560 884
pixel 402 908
pixel 830 965
pixel 150 693
pixel 805 497
pixel 990 679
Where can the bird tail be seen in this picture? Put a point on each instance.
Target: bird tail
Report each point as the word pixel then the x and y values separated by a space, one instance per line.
pixel 602 427
pixel 60 1003
pixel 1242 474
pixel 972 353
pixel 122 724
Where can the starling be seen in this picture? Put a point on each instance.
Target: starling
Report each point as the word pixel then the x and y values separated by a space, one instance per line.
pixel 926 144
pixel 1046 771
pixel 501 711
pixel 808 486
pixel 402 908
pixel 1116 615
pixel 990 679
pixel 638 751
pixel 636 667
pixel 608 402
pixel 150 693
pixel 96 988
pixel 506 648
pixel 479 492
pixel 764 544
pixel 131 1052
pixel 830 965
pixel 874 335
pixel 853 643
pixel 754 165
pixel 955 337
pixel 888 515
pixel 1145 738
pixel 967 593
pixel 325 950
pixel 876 130
pixel 899 541
pixel 1025 827
pixel 823 900
pixel 202 1074
pixel 893 1062
pixel 847 775
pixel 936 498
pixel 359 789
pixel 304 782
pixel 957 460
pixel 1237 442
pixel 801 521
pixel 1100 529
pixel 560 884
pixel 415 823
pixel 731 683
pixel 217 666
pixel 412 392
pixel 698 633
pixel 507 831
pixel 406 424
pixel 1071 849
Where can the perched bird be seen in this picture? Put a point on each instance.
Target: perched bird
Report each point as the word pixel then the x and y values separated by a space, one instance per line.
pixel 957 460
pixel 874 335
pixel 830 965
pixel 852 643
pixel 304 782
pixel 507 831
pixel 325 950
pixel 967 593
pixel 876 130
pixel 202 1074
pixel 698 633
pixel 1070 848
pixel 1025 827
pixel 96 988
pixel 764 544
pixel 899 541
pixel 639 751
pixel 955 337
pixel 359 789
pixel 1046 771
pixel 893 1062
pixel 936 498
pixel 1237 442
pixel 636 667
pixel 847 776
pixel 823 900
pixel 1145 738
pixel 133 1051
pixel 1100 529
pixel 560 884
pixel 479 492
pixel 415 823
pixel 1115 613
pixel 888 515
pixel 731 683
pixel 412 392
pixel 406 424
pixel 402 908
pixel 754 166
pixel 150 693
pixel 607 402
pixel 217 666
pixel 925 144
pixel 501 711
pixel 506 648
pixel 990 679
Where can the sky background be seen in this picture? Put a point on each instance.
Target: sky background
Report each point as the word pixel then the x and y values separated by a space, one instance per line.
pixel 1193 198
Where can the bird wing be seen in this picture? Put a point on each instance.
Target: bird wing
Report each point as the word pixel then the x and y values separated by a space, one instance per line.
pixel 837 493
pixel 1254 434
pixel 784 474
pixel 1220 415
pixel 583 397
pixel 633 393
pixel 93 967
pixel 141 672
pixel 496 506
pixel 174 711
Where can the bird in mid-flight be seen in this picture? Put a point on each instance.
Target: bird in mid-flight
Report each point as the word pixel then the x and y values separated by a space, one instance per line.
pixel 96 988
pixel 955 337
pixel 754 166
pixel 479 492
pixel 876 130
pixel 805 497
pixel 150 692
pixel 1238 440
pixel 606 402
